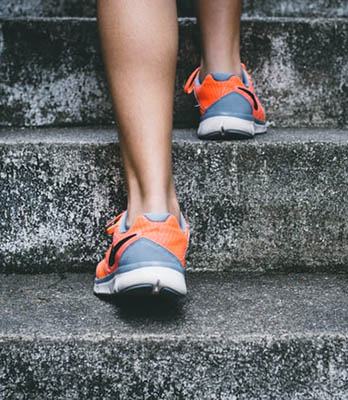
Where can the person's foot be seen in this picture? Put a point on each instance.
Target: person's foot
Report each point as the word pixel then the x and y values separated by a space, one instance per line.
pixel 147 258
pixel 229 107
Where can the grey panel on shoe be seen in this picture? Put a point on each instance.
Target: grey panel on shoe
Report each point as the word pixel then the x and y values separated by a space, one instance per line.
pixel 232 104
pixel 145 250
pixel 157 217
pixel 123 223
pixel 220 76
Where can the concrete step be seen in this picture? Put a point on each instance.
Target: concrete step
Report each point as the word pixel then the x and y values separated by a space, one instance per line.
pixel 253 8
pixel 275 203
pixel 296 8
pixel 51 72
pixel 233 337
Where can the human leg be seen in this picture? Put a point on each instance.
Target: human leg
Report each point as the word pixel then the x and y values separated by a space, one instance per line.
pixel 228 104
pixel 139 41
pixel 219 22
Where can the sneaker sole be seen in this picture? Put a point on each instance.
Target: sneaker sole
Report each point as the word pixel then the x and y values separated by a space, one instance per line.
pixel 229 128
pixel 148 280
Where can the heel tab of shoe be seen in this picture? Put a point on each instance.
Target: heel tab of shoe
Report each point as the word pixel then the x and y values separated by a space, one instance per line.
pixel 221 76
pixel 157 217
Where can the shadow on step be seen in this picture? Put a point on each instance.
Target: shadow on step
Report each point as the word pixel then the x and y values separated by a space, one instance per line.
pixel 142 308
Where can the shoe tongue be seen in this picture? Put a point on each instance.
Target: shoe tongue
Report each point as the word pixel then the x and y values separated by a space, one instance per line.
pixel 221 76
pixel 245 78
pixel 123 223
pixel 157 217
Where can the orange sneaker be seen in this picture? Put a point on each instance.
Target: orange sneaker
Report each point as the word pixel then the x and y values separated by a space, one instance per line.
pixel 147 258
pixel 229 107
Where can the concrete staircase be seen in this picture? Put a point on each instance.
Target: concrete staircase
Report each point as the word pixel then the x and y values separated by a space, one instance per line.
pixel 266 314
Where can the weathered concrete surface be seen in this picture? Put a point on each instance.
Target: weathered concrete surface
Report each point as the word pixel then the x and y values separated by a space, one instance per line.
pixel 296 8
pixel 51 72
pixel 48 8
pixel 66 8
pixel 234 337
pixel 253 8
pixel 278 202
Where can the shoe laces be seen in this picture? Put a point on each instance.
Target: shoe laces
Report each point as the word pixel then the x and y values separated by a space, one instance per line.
pixel 188 88
pixel 189 85
pixel 111 225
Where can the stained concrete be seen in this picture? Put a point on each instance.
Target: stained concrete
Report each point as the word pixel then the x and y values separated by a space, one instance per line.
pixel 51 71
pixel 254 8
pixel 233 337
pixel 277 202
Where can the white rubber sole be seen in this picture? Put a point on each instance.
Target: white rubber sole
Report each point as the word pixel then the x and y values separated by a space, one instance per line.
pixel 224 125
pixel 157 278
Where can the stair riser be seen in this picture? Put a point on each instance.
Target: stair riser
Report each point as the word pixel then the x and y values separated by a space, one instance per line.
pixel 51 72
pixel 74 8
pixel 296 8
pixel 287 368
pixel 251 206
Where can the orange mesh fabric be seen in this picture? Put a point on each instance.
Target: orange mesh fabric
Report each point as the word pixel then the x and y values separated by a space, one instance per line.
pixel 211 91
pixel 167 234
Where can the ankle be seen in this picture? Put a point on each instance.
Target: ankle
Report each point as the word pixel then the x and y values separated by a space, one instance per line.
pixel 228 68
pixel 152 205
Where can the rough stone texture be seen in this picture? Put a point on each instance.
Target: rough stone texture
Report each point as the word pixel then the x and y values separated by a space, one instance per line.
pixel 51 72
pixel 256 337
pixel 87 8
pixel 296 8
pixel 48 8
pixel 277 202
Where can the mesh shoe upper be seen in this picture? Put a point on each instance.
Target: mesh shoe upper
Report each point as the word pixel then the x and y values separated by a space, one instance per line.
pixel 147 240
pixel 212 90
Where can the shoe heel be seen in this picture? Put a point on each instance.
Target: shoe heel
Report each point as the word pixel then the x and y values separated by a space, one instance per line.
pixel 153 279
pixel 226 127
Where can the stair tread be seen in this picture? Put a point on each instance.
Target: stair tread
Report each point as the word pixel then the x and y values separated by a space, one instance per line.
pixel 108 135
pixel 253 7
pixel 223 306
